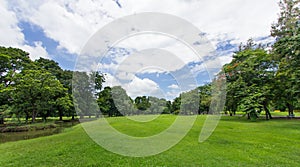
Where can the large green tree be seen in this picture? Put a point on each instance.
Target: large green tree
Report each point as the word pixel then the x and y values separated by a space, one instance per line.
pixel 286 51
pixel 35 92
pixel 12 61
pixel 250 77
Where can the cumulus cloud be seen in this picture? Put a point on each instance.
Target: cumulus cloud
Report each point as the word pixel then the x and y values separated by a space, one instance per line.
pixel 12 36
pixel 71 23
pixel 136 86
pixel 140 87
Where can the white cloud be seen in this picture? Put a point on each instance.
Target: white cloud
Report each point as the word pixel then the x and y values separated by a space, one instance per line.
pixel 12 36
pixel 111 81
pixel 71 23
pixel 140 87
pixel 173 86
pixel 172 94
pixel 136 86
pixel 176 48
pixel 35 51
pixel 147 61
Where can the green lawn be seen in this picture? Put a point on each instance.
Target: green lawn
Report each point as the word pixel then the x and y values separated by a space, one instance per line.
pixel 235 142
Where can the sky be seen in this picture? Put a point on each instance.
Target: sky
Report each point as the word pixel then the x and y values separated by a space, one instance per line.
pixel 154 64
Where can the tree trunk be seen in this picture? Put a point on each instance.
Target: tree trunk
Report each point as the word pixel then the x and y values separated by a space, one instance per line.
pixel 1 119
pixel 290 108
pixel 268 114
pixel 248 115
pixel 44 118
pixel 33 116
pixel 73 117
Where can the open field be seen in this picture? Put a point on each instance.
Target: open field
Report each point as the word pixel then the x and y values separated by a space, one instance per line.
pixel 235 142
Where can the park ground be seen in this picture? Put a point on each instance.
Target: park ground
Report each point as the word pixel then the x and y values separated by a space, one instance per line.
pixel 235 142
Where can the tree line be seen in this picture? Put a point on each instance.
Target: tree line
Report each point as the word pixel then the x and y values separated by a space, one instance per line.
pixel 40 88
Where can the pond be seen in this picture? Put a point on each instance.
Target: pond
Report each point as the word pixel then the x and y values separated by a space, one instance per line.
pixel 15 136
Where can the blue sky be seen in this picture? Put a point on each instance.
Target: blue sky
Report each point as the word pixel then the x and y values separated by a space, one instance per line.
pixel 59 30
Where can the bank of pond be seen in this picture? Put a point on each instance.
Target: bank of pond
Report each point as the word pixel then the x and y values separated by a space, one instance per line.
pixel 12 132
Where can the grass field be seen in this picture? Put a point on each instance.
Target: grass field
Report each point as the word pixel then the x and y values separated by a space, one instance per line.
pixel 235 142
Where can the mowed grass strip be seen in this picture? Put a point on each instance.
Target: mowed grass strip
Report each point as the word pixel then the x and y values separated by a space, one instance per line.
pixel 235 142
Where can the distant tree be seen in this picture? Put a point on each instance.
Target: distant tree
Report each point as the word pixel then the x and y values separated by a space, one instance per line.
pixel 158 106
pixel 99 79
pixel 175 108
pixel 204 98
pixel 168 108
pixel 106 103
pixel 142 103
pixel 122 102
pixel 189 102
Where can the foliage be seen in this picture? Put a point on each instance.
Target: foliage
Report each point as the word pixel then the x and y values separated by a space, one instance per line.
pixel 84 93
pixel 205 98
pixel 142 103
pixel 286 51
pixel 35 92
pixel 250 77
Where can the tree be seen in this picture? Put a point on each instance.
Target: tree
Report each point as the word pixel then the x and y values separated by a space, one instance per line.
pixel 142 103
pixel 66 80
pixel 49 65
pixel 168 109
pixel 106 103
pixel 84 94
pixel 250 77
pixel 122 102
pixel 175 108
pixel 12 61
pixel 64 105
pixel 286 52
pixel 158 105
pixel 189 102
pixel 99 79
pixel 204 98
pixel 35 92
